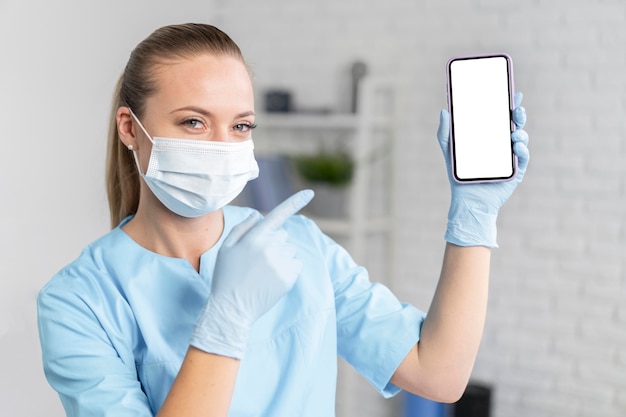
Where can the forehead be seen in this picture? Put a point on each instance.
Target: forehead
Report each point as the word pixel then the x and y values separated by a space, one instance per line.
pixel 202 80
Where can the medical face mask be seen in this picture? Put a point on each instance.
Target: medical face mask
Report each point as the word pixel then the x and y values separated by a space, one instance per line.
pixel 196 177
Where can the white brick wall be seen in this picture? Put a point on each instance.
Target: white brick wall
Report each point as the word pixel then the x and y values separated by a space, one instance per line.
pixel 556 330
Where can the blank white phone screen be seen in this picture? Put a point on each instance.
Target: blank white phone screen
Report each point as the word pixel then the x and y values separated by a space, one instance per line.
pixel 481 118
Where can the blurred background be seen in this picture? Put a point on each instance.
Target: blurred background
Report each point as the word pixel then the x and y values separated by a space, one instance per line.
pixel 555 340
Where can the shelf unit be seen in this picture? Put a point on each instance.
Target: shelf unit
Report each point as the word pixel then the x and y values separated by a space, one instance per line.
pixel 366 135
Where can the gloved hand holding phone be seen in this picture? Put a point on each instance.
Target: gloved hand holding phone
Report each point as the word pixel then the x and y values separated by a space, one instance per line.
pixel 474 206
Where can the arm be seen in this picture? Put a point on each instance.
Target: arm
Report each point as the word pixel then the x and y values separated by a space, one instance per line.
pixel 241 292
pixel 93 377
pixel 440 365
pixel 204 386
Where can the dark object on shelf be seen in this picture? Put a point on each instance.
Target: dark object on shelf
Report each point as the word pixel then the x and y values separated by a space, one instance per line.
pixel 278 101
pixel 475 402
pixel 358 71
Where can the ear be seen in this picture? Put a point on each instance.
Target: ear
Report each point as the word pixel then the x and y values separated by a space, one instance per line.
pixel 125 127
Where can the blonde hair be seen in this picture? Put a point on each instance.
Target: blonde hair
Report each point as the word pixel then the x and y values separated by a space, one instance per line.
pixel 136 84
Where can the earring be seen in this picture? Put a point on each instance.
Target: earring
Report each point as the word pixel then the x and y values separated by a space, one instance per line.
pixel 131 147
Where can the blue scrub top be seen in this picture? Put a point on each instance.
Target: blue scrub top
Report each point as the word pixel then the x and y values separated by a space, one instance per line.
pixel 115 324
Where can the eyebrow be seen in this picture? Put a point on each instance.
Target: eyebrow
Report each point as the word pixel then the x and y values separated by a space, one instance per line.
pixel 205 113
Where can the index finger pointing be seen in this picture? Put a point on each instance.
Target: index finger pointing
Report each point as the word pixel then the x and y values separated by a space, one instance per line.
pixel 286 209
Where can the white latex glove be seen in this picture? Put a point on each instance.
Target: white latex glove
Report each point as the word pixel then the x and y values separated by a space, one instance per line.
pixel 255 267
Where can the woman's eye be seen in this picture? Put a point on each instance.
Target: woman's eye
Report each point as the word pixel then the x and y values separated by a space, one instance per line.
pixel 193 123
pixel 244 127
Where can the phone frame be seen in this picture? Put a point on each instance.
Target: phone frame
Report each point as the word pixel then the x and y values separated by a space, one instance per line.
pixel 449 87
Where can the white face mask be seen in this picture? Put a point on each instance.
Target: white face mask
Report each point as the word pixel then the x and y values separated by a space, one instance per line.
pixel 196 177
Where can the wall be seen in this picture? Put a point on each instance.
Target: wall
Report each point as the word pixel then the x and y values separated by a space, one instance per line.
pixel 60 61
pixel 554 341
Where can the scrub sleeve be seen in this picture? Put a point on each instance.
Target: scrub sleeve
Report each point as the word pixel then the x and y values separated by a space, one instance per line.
pixel 375 331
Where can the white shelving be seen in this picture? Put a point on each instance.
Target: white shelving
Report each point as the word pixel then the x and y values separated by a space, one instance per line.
pixel 330 121
pixel 366 135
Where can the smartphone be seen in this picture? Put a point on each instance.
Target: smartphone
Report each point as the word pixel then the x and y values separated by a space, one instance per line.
pixel 480 102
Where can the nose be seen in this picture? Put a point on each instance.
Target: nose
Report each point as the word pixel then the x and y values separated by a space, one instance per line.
pixel 221 134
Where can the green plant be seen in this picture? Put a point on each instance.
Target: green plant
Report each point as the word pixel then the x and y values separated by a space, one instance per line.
pixel 335 169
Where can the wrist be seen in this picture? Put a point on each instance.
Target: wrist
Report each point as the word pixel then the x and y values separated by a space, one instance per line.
pixel 221 332
pixel 471 226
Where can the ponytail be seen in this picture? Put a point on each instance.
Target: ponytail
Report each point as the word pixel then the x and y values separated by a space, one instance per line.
pixel 122 178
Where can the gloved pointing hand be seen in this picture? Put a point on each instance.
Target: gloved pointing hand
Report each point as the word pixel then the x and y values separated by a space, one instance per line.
pixel 474 207
pixel 255 267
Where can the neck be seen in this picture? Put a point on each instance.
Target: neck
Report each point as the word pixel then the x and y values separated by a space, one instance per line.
pixel 161 231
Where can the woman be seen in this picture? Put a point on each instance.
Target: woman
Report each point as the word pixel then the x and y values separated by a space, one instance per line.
pixel 192 307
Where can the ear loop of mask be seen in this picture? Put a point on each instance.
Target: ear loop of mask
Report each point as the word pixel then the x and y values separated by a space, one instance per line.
pixel 131 147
